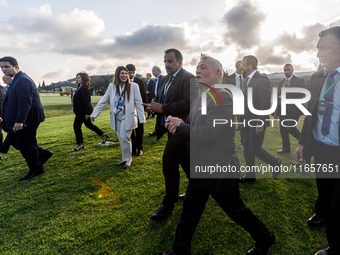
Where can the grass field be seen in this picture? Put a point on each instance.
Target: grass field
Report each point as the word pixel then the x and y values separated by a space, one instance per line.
pixel 85 204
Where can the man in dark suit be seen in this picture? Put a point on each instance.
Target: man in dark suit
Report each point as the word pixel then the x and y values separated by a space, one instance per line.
pixel 156 71
pixel 3 91
pixel 320 134
pixel 150 91
pixel 23 113
pixel 236 79
pixel 173 99
pixel 291 81
pixel 253 136
pixel 209 146
pixel 137 134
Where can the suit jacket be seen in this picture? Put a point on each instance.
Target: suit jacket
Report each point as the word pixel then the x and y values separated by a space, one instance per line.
pixel 306 137
pixel 151 90
pixel 262 91
pixel 292 110
pixel 177 101
pixel 133 108
pixel 230 79
pixel 22 103
pixel 211 145
pixel 82 102
pixel 3 91
pixel 141 89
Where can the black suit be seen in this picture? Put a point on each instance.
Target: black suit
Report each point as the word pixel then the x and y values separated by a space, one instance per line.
pixel 176 103
pixel 292 112
pixel 328 189
pixel 22 105
pixel 150 87
pixel 82 106
pixel 137 134
pixel 210 146
pixel 253 143
pixel 3 91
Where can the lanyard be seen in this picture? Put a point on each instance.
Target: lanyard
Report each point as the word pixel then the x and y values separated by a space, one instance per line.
pixel 328 89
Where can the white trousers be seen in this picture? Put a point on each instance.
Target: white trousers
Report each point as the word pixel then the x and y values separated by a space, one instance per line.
pixel 124 137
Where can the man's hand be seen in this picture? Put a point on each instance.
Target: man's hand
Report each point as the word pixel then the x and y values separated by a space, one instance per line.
pixel 87 117
pixel 286 84
pixel 92 119
pixel 172 123
pixel 18 127
pixel 155 107
pixel 259 129
pixel 1 120
pixel 299 155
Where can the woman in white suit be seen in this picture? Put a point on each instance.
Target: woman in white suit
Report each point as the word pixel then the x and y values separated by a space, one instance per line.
pixel 125 106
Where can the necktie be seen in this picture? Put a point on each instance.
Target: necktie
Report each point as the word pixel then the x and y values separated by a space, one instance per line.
pixel 244 85
pixel 156 84
pixel 329 98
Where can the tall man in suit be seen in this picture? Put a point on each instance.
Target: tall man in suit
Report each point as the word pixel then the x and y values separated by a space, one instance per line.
pixel 320 134
pixel 291 81
pixel 209 146
pixel 137 134
pixel 156 71
pixel 253 136
pixel 173 99
pixel 23 113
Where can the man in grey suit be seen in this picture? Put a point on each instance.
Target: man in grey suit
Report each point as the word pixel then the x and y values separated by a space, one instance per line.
pixel 291 81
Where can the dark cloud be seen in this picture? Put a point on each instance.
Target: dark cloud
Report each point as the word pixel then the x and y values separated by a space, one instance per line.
pixel 267 56
pixel 306 42
pixel 54 74
pixel 243 24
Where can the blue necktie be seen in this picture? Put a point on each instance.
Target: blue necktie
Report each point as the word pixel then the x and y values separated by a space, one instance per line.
pixel 329 98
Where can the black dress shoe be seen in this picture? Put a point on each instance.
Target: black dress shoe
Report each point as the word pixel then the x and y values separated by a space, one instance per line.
pixel 262 249
pixel 181 196
pixel 139 153
pixel 324 252
pixel 316 221
pixel 3 149
pixel 46 156
pixel 162 212
pixel 277 165
pixel 152 134
pixel 283 151
pixel 30 175
pixel 121 163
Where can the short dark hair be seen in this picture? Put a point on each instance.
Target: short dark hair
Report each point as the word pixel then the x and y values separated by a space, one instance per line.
pixel 178 54
pixel 333 30
pixel 251 60
pixel 11 60
pixel 131 67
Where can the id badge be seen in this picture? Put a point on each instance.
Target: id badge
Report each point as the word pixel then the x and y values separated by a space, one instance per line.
pixel 323 106
pixel 120 105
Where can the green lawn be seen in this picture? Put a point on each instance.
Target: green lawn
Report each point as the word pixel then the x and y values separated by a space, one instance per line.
pixel 85 204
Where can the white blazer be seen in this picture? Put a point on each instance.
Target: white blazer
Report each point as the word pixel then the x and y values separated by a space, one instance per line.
pixel 133 108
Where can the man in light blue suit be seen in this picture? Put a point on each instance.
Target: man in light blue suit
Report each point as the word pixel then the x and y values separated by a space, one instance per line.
pixel 23 113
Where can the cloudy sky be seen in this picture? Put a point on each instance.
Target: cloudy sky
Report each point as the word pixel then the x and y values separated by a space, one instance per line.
pixel 53 40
